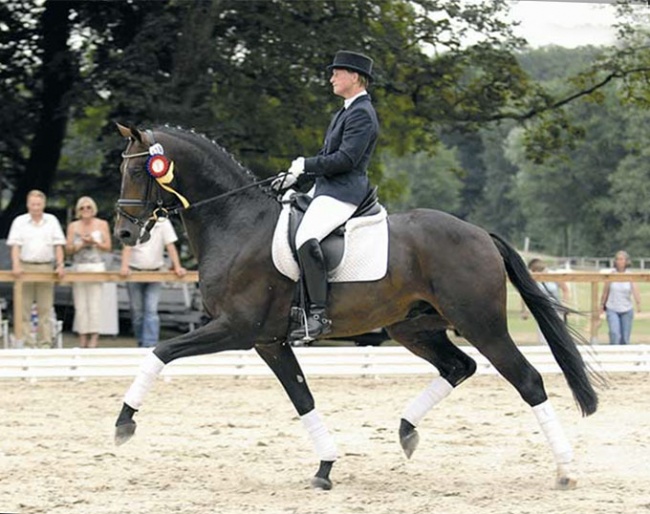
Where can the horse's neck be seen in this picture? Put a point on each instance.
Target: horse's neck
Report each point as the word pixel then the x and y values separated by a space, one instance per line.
pixel 216 236
pixel 223 220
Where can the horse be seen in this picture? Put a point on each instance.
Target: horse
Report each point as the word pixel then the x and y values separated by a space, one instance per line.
pixel 443 273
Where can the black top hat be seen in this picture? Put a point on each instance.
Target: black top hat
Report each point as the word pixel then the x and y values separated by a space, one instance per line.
pixel 352 61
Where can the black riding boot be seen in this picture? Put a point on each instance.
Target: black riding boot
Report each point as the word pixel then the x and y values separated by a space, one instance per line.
pixel 314 271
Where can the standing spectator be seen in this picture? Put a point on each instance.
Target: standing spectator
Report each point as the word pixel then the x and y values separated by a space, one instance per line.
pixel 617 302
pixel 87 238
pixel 144 296
pixel 558 292
pixel 36 240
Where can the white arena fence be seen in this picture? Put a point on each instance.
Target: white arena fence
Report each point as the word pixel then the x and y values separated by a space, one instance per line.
pixel 81 364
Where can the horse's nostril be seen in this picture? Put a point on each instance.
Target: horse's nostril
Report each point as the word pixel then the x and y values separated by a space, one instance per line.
pixel 124 234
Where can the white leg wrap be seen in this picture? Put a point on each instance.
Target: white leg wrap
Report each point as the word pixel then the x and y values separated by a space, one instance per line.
pixel 149 370
pixel 435 392
pixel 554 433
pixel 321 438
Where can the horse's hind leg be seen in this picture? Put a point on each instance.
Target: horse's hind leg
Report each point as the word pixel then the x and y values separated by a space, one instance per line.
pixel 281 359
pixel 426 337
pixel 514 367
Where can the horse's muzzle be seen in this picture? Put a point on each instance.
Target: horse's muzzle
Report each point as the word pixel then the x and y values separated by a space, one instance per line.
pixel 127 233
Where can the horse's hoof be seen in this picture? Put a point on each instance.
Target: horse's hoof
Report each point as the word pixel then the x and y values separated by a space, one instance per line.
pixel 410 443
pixel 408 437
pixel 124 432
pixel 566 483
pixel 324 484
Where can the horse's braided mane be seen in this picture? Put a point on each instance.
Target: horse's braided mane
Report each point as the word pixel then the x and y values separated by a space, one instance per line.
pixel 208 144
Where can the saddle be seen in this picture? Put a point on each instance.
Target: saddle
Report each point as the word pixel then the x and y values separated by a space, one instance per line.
pixel 333 245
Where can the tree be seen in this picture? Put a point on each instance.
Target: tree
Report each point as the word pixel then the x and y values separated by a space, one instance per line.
pixel 57 76
pixel 249 75
pixel 627 209
pixel 562 197
pixel 432 181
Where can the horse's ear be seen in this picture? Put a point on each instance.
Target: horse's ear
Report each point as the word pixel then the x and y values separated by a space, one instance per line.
pixel 135 133
pixel 125 131
pixel 131 132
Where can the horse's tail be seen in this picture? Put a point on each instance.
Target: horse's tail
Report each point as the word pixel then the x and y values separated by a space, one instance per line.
pixel 562 344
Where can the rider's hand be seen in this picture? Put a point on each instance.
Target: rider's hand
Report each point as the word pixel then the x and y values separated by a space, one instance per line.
pixel 297 167
pixel 288 179
pixel 283 181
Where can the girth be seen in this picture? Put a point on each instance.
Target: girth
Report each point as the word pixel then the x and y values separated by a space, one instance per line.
pixel 333 245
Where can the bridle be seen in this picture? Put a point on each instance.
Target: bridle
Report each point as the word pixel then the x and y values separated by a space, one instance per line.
pixel 153 210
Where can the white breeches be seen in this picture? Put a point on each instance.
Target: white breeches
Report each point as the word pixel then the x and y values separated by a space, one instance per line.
pixel 323 215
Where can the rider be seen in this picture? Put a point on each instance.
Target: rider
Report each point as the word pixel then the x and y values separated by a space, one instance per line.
pixel 341 180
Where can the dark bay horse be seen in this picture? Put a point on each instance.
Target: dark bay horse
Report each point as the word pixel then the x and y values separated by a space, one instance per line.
pixel 443 273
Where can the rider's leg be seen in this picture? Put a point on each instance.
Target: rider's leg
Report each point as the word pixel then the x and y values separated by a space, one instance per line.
pixel 323 215
pixel 314 271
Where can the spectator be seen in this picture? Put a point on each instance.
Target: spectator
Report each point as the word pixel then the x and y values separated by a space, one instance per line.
pixel 36 240
pixel 144 296
pixel 558 292
pixel 87 238
pixel 617 302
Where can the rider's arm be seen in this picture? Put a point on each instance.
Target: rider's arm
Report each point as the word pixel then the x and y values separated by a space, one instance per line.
pixel 359 133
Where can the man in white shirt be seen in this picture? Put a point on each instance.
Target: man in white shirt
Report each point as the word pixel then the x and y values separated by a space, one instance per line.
pixel 144 296
pixel 37 240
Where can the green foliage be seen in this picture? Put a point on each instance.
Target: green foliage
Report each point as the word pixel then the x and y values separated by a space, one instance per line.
pixel 492 131
pixel 432 181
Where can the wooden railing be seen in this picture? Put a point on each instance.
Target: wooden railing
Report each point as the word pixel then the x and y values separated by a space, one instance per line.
pixel 85 276
pixel 593 278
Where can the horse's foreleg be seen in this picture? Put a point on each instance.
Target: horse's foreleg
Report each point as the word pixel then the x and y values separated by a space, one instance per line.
pixel 282 361
pixel 210 338
pixel 149 369
pixel 423 337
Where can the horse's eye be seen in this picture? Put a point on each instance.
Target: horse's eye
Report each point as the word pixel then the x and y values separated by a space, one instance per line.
pixel 136 170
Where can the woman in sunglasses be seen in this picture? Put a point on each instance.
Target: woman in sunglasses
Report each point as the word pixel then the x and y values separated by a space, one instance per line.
pixel 87 239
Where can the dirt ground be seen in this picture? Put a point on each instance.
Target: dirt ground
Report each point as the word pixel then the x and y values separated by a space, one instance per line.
pixel 222 445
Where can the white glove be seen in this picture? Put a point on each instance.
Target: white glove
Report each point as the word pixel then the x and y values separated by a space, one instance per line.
pixel 297 167
pixel 283 181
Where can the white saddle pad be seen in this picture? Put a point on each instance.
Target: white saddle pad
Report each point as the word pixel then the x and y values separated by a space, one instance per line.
pixel 365 257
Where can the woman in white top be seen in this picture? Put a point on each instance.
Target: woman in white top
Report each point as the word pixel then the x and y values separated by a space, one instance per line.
pixel 617 302
pixel 87 239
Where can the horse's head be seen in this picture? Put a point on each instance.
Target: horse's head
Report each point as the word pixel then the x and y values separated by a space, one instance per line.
pixel 145 169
